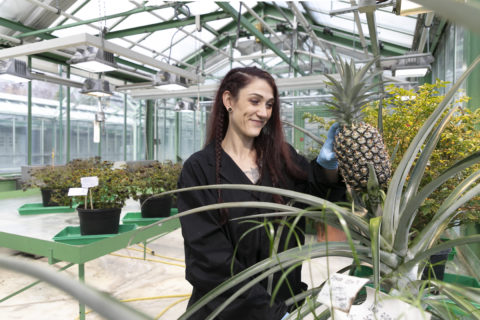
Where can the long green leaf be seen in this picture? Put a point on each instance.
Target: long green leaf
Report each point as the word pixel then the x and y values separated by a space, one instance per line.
pixel 318 140
pixel 394 194
pixel 283 260
pixel 434 228
pixel 330 218
pixel 265 267
pixel 375 224
pixel 460 301
pixel 408 214
pixel 425 254
pixel 422 162
pixel 469 293
pixel 104 305
pixel 462 12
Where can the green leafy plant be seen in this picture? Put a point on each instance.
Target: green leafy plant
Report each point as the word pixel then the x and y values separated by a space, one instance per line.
pixel 55 179
pixel 404 112
pixel 380 238
pixel 113 183
pixel 154 179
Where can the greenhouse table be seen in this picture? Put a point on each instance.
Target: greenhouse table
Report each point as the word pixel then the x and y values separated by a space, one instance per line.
pixel 80 254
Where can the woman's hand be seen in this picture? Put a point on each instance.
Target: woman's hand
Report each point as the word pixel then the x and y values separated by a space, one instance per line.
pixel 326 158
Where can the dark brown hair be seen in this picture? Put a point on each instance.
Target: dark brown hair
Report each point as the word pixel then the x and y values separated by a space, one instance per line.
pixel 273 153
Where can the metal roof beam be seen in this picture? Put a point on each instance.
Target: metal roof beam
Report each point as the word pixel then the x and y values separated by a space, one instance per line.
pixel 306 25
pixel 85 40
pixel 16 26
pixel 75 24
pixel 165 25
pixel 254 31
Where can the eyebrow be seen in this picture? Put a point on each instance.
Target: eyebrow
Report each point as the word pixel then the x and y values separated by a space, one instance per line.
pixel 260 96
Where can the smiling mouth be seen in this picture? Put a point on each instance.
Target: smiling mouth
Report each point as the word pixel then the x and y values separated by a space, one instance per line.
pixel 258 122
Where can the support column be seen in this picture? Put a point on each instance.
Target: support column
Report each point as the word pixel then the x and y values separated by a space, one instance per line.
pixel 68 117
pixel 149 129
pixel 124 127
pixel 472 50
pixel 81 278
pixel 29 118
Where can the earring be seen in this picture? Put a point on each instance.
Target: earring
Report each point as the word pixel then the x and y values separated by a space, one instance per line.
pixel 229 109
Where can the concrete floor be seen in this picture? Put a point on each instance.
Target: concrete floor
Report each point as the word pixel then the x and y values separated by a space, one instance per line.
pixel 132 278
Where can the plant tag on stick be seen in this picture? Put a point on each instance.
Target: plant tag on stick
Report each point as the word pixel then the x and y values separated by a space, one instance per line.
pixel 72 192
pixel 89 182
pixel 383 306
pixel 340 291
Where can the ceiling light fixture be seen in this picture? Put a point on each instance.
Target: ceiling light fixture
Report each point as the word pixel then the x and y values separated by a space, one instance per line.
pixel 412 67
pixel 410 72
pixel 97 88
pixel 183 106
pixel 93 59
pixel 167 81
pixel 14 70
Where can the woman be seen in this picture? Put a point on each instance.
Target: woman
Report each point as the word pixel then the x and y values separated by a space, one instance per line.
pixel 245 145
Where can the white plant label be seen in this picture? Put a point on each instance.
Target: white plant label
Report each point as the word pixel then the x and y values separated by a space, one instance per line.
pixel 72 192
pixel 96 132
pixel 340 291
pixel 386 308
pixel 89 182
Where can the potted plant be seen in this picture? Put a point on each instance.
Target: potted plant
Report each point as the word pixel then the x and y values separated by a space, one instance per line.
pixel 99 210
pixel 53 182
pixel 151 180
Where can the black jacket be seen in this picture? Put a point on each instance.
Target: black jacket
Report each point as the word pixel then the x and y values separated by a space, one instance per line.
pixel 209 246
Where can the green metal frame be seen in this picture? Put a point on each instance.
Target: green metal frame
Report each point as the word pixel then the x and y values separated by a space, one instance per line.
pixel 254 31
pixel 29 117
pixel 165 25
pixel 149 129
pixel 117 15
pixel 472 50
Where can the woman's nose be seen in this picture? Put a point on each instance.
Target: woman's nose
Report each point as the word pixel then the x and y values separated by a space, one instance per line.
pixel 262 111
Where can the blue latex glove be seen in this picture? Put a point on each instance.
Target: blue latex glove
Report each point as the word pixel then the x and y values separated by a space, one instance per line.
pixel 326 158
pixel 285 316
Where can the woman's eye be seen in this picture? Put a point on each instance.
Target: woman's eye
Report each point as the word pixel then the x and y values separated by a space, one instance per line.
pixel 269 105
pixel 255 102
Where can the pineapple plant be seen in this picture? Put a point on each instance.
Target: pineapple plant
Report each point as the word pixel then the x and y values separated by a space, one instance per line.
pixel 357 143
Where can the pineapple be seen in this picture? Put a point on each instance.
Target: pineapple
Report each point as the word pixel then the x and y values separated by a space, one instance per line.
pixel 356 143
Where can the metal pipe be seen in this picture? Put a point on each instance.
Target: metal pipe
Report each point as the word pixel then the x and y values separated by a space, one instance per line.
pixel 188 34
pixel 308 28
pixel 256 16
pixel 355 8
pixel 406 56
pixel 287 18
pixel 50 8
pixel 356 17
pixel 11 39
pixel 426 29
pixel 55 79
pixel 121 14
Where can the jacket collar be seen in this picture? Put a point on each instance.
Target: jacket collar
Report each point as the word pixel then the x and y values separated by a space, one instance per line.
pixel 231 173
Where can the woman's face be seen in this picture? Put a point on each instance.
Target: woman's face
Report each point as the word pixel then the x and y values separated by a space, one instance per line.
pixel 252 108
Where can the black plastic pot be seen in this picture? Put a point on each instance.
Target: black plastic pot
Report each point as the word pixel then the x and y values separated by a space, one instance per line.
pixel 155 207
pixel 47 196
pixel 99 221
pixel 435 269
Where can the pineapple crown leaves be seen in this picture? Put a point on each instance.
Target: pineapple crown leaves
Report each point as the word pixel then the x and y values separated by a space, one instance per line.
pixel 352 91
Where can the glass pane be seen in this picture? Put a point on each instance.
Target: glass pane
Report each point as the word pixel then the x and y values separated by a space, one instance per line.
pixel 166 134
pixel 449 56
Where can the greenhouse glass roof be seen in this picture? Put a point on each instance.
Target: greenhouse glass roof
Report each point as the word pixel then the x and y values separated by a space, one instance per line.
pixel 201 40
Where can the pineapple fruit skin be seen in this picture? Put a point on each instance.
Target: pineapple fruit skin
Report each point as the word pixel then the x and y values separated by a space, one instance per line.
pixel 355 146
